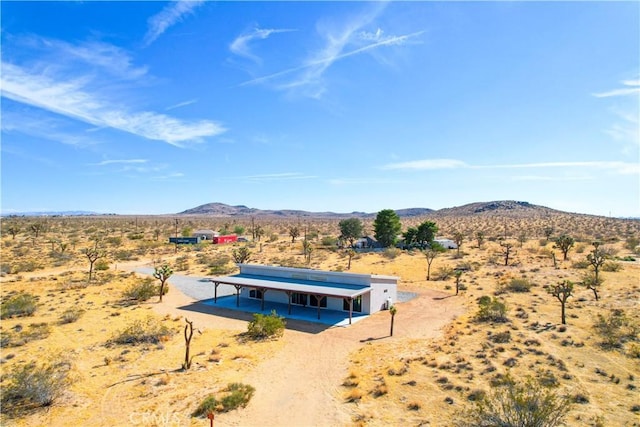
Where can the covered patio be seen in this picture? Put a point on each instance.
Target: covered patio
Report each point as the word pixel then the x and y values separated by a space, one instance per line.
pixel 292 288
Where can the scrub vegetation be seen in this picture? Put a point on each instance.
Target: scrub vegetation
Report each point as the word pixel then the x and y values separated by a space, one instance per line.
pixel 68 288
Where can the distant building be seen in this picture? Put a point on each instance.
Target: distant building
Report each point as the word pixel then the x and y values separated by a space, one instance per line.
pixel 366 242
pixel 446 243
pixel 205 234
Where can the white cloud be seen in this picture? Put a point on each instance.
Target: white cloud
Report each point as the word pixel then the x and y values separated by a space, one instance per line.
pixel 181 104
pixel 72 97
pixel 633 89
pixel 169 16
pixel 240 46
pixel 427 164
pixel 112 162
pixel 349 40
pixel 622 168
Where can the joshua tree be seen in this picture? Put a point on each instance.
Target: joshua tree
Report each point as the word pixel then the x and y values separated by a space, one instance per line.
pixel 13 229
pixel 350 253
pixel 480 239
pixel 162 274
pixel 593 282
pixel 431 253
pixel 564 243
pixel 458 237
pixel 562 291
pixel 392 310
pixel 506 251
pixel 36 228
pixel 93 254
pixel 294 232
pixel 548 231
pixel 596 258
pixel 241 255
pixel 188 334
pixel 457 274
pixel 307 249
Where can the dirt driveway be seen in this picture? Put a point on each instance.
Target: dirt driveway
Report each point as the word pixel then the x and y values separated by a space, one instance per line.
pixel 300 385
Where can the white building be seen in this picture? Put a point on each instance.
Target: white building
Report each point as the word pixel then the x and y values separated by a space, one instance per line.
pixel 446 243
pixel 326 290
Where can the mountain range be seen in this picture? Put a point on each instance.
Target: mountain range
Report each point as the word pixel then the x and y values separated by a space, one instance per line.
pixel 504 207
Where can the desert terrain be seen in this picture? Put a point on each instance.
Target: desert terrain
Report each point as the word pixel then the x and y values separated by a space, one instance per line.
pixel 440 360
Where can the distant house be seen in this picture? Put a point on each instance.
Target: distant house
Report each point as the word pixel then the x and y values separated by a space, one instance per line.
pixel 446 243
pixel 367 242
pixel 205 234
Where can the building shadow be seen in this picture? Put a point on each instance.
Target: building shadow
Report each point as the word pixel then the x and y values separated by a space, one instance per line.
pixel 292 324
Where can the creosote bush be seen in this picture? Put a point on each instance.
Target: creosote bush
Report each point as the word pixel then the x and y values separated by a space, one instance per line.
pixel 235 395
pixel 266 326
pixel 149 330
pixel 143 290
pixel 512 404
pixel 71 315
pixel 18 306
pixel 491 309
pixel 33 386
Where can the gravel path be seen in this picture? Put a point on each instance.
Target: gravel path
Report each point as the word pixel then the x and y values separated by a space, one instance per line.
pixel 198 288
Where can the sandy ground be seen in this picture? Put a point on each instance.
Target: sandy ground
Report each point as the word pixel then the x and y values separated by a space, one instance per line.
pixel 300 385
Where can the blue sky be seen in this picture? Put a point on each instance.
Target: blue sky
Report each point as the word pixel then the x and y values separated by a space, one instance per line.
pixel 157 107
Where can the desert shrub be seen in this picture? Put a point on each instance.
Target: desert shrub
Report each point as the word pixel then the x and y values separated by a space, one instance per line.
pixel 101 265
pixel 149 330
pixel 391 253
pixel 21 336
pixel 113 240
pixel 123 255
pixel 329 241
pixel 182 263
pixel 615 329
pixel 500 337
pixel 71 315
pixel 631 243
pixel 519 285
pixel 235 395
pixel 33 386
pixel 580 265
pixel 266 326
pixel 611 266
pixel 491 309
pixel 18 306
pixel 514 404
pixel 26 266
pixel 628 258
pixel 442 273
pixel 143 290
pixel 220 265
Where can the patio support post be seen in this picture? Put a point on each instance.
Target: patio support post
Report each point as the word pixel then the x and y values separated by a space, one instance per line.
pixel 238 287
pixel 215 292
pixel 262 292
pixel 350 309
pixel 318 300
pixel 289 300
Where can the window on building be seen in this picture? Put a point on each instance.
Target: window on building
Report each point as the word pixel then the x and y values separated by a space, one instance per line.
pixel 300 299
pixel 357 304
pixel 313 301
pixel 255 293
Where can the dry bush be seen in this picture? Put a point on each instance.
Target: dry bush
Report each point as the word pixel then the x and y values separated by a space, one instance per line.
pixel 149 330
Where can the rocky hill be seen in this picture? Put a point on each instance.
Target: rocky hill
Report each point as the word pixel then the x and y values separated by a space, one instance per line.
pixel 503 207
pixel 223 210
